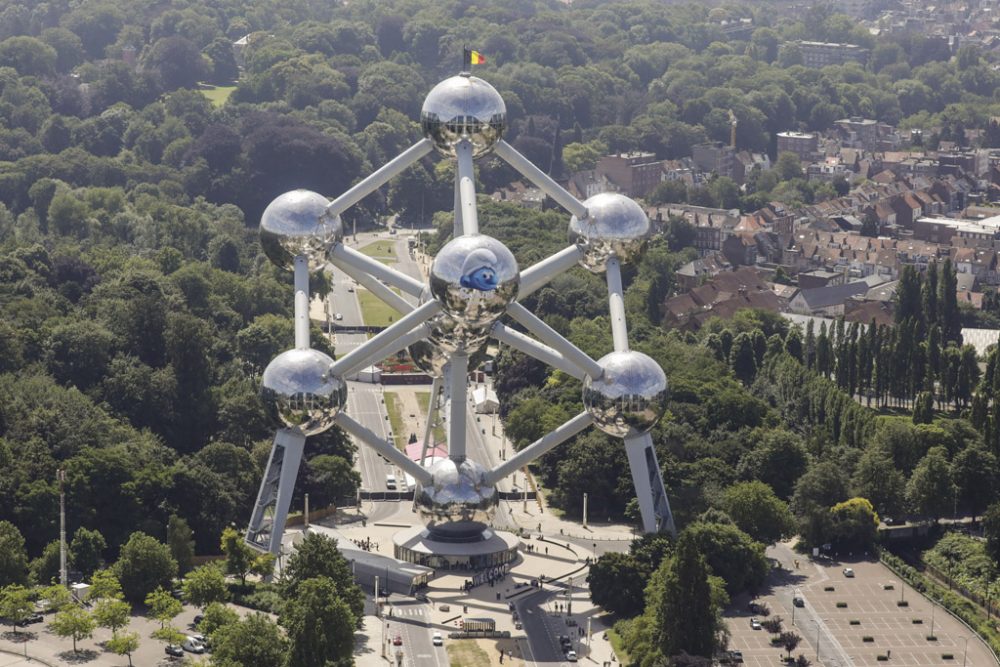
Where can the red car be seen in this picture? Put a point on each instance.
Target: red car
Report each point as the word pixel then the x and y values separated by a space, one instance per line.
pixel 397 641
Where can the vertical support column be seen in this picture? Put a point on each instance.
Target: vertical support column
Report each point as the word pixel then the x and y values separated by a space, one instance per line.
pixel 458 370
pixel 267 524
pixel 63 572
pixel 649 489
pixel 616 306
pixel 466 176
pixel 301 302
pixel 459 225
pixel 429 426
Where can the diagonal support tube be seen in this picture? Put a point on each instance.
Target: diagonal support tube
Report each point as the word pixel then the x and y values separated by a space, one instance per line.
pixel 431 410
pixel 510 155
pixel 384 448
pixel 375 354
pixel 554 339
pixel 649 489
pixel 616 306
pixel 533 348
pixel 383 343
pixel 467 188
pixel 355 264
pixel 538 275
pixel 540 447
pixel 380 177
pixel 458 370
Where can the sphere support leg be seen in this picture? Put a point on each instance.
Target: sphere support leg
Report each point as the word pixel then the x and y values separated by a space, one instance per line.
pixel 267 524
pixel 467 188
pixel 649 489
pixel 301 302
pixel 539 351
pixel 539 274
pixel 431 410
pixel 384 448
pixel 616 305
pixel 380 177
pixel 400 334
pixel 554 339
pixel 509 154
pixel 458 371
pixel 541 446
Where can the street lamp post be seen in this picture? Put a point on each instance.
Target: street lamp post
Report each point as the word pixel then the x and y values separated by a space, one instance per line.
pixel 965 651
pixel 817 640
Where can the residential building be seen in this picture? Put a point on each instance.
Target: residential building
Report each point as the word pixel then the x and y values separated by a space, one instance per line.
pixel 821 54
pixel 633 174
pixel 858 132
pixel 714 157
pixel 803 144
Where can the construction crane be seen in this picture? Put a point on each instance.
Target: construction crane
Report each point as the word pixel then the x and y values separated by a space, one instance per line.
pixel 733 122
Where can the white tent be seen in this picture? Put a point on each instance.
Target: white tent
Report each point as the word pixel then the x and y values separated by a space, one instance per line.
pixel 485 400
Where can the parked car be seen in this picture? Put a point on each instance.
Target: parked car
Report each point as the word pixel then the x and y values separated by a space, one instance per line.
pixel 338 316
pixel 30 619
pixel 849 572
pixel 565 642
pixel 397 640
pixel 736 656
pixel 192 645
pixel 755 624
pixel 437 639
pixel 174 650
pixel 571 656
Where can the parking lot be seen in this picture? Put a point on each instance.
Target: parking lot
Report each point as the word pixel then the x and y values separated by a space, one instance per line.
pixel 853 620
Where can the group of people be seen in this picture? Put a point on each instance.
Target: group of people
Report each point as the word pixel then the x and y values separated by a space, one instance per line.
pixel 366 544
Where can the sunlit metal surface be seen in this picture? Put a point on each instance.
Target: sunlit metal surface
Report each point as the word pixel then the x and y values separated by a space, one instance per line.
pixel 299 391
pixel 630 397
pixel 459 501
pixel 617 227
pixel 475 278
pixel 463 107
pixel 296 223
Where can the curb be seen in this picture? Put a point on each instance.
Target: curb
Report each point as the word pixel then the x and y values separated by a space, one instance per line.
pixel 30 657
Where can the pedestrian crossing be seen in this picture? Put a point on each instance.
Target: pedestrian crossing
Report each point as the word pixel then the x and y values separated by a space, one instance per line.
pixel 410 611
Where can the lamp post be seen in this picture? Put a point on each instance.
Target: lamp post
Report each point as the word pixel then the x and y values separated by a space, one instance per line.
pixel 817 640
pixel 965 650
pixel 932 616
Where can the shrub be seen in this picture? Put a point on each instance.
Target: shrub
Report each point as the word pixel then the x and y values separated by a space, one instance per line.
pixel 888 587
pixel 902 603
pixel 829 589
pixel 947 656
pixel 855 621
pixel 932 638
pixel 867 638
pixel 918 621
pixel 841 605
pixel 881 658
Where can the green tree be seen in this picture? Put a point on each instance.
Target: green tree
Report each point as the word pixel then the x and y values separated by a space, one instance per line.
pixel 931 491
pixel 13 556
pixel 112 614
pixel 788 166
pixel 742 358
pixel 239 554
pixel 877 479
pixel 180 539
pixel 732 554
pixel 757 511
pixel 126 643
pixel 319 624
pixel 57 597
pixel 317 556
pixel 163 606
pixel 87 551
pixel 104 584
pixel 617 583
pixel 205 584
pixel 854 524
pixel 144 564
pixel 75 622
pixel 216 615
pixel 991 529
pixel 681 600
pixel 16 604
pixel 255 641
pixel 975 475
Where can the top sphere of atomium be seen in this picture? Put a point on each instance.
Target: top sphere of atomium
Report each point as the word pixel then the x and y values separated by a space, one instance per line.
pixel 616 227
pixel 629 398
pixel 459 502
pixel 475 277
pixel 300 393
pixel 463 107
pixel 296 223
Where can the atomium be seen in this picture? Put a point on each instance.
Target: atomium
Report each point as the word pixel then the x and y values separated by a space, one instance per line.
pixel 475 278
pixel 296 223
pixel 459 501
pixel 300 393
pixel 629 398
pixel 616 227
pixel 463 108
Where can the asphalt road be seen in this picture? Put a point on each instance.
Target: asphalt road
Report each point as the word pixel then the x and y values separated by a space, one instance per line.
pixel 410 622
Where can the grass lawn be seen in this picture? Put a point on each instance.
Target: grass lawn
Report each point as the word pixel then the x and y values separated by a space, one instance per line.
pixel 383 251
pixel 217 95
pixel 617 645
pixel 373 311
pixel 395 409
pixel 466 653
pixel 423 397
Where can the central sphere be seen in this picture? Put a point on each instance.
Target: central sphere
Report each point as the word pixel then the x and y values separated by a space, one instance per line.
pixel 459 502
pixel 448 338
pixel 300 393
pixel 475 277
pixel 296 223
pixel 616 227
pixel 629 398
pixel 463 107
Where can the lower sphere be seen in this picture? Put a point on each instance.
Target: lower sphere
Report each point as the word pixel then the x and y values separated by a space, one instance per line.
pixel 300 393
pixel 458 502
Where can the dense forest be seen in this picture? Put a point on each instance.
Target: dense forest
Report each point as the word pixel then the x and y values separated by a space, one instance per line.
pixel 138 148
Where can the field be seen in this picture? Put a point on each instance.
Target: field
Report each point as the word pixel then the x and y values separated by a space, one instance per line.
pixel 383 251
pixel 423 397
pixel 465 653
pixel 394 407
pixel 373 311
pixel 217 95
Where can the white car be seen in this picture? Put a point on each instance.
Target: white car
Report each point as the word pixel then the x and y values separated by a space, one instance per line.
pixel 338 316
pixel 849 572
pixel 437 639
pixel 755 624
pixel 571 656
pixel 192 645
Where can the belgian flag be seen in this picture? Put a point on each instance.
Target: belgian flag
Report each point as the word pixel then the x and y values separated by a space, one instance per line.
pixel 471 57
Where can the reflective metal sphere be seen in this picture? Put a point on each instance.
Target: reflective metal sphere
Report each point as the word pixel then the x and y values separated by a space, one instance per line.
pixel 463 107
pixel 458 502
pixel 617 227
pixel 300 393
pixel 629 398
pixel 296 223
pixel 446 339
pixel 475 278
